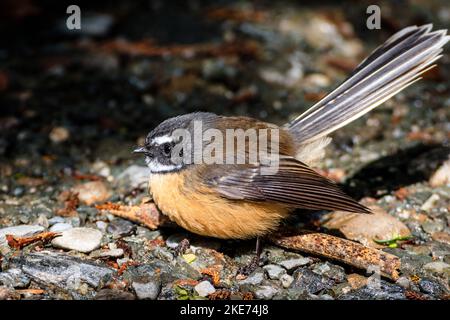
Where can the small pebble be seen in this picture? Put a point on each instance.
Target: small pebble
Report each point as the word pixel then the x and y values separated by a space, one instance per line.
pixel 273 271
pixel 286 280
pixel 79 239
pixel 265 292
pixel 292 264
pixel 438 267
pixel 121 227
pixel 254 279
pixel 59 134
pixel 114 253
pixel 59 227
pixel 204 288
pixel 148 290
pixel 92 192
pixel 56 220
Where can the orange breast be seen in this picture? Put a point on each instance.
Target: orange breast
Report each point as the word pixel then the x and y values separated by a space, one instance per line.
pixel 206 213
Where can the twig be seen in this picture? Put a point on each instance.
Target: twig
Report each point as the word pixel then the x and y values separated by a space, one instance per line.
pixel 19 243
pixel 146 214
pixel 346 251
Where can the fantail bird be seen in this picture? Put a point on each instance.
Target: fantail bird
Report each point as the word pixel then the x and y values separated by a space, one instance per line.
pixel 237 201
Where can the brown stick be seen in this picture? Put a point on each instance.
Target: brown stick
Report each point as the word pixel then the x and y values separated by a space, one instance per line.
pixel 346 251
pixel 146 214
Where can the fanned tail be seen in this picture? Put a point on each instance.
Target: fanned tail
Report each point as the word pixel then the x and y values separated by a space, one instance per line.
pixel 393 66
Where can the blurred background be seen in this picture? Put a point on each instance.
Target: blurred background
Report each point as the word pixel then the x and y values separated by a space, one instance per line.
pixel 75 102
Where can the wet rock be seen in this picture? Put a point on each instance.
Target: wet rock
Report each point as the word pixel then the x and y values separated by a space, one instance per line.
pixel 92 192
pixel 114 294
pixel 431 287
pixel 265 292
pixel 59 227
pixel 385 291
pixel 254 279
pixel 307 281
pixel 286 280
pixel 364 228
pixel 134 177
pixel 19 231
pixel 147 290
pixel 273 271
pixel 204 288
pixel 120 228
pixel 113 253
pixel 79 239
pixel 61 270
pixel 438 267
pixel 292 264
pixel 14 278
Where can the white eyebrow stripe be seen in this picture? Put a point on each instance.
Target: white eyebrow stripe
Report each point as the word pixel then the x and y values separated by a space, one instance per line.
pixel 162 139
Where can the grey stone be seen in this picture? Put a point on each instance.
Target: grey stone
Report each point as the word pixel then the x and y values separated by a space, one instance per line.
pixel 385 291
pixel 431 287
pixel 292 264
pixel 61 270
pixel 14 278
pixel 134 176
pixel 273 271
pixel 265 292
pixel 120 228
pixel 254 279
pixel 55 220
pixel 19 231
pixel 307 281
pixel 79 239
pixel 147 290
pixel 59 227
pixel 332 271
pixel 204 288
pixel 114 253
pixel 432 226
pixel 438 267
pixel 403 282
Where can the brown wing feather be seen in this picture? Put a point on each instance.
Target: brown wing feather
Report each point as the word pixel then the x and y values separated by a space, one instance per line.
pixel 294 184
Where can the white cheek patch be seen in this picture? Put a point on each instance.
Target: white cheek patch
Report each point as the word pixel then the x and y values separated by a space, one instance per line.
pixel 156 167
pixel 162 139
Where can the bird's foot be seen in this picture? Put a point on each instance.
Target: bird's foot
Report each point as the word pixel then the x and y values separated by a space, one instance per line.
pixel 248 269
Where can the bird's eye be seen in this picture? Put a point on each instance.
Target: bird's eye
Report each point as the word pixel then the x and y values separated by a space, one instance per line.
pixel 167 149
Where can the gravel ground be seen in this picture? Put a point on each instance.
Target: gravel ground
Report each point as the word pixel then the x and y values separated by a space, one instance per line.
pixel 75 105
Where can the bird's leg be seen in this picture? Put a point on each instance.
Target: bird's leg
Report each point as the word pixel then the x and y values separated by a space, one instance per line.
pixel 182 246
pixel 254 263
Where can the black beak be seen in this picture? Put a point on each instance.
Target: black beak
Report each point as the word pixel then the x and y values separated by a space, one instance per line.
pixel 140 150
